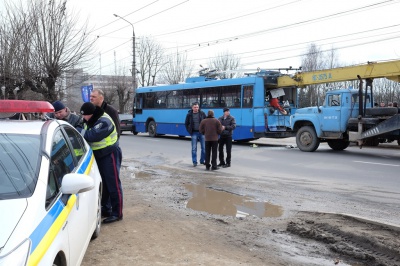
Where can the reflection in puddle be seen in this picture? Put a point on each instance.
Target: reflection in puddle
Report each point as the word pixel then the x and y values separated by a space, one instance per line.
pixel 224 203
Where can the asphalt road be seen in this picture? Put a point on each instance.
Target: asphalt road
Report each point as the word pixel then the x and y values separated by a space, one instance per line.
pixel 366 178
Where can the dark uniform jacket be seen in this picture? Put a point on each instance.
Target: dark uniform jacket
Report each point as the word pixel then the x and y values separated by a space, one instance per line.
pixel 230 124
pixel 111 111
pixel 98 128
pixel 189 120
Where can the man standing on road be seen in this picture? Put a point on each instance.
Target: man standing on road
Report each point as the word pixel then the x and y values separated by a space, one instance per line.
pixel 211 128
pixel 229 123
pixel 99 130
pixel 97 98
pixel 192 123
pixel 63 113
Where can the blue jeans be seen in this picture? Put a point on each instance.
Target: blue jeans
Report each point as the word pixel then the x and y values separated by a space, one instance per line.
pixel 197 136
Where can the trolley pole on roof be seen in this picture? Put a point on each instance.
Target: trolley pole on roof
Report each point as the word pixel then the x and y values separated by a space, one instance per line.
pixel 133 55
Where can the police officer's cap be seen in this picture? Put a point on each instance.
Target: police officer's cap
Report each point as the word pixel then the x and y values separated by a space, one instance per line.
pixel 87 108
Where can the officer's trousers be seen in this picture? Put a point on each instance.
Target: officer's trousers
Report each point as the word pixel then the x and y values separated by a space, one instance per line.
pixel 109 167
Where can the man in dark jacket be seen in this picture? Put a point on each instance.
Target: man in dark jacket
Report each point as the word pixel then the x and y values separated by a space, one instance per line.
pixel 97 98
pixel 99 131
pixel 211 128
pixel 229 123
pixel 192 123
pixel 63 113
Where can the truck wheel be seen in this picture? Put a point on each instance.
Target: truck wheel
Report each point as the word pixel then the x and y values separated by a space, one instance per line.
pixel 306 139
pixel 338 144
pixel 152 129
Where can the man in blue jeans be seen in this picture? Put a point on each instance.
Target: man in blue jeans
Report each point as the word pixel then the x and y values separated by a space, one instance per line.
pixel 192 122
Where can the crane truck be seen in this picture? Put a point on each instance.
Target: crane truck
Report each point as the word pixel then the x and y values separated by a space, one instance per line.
pixel 347 115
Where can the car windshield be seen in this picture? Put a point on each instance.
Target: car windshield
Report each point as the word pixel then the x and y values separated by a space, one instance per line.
pixel 19 162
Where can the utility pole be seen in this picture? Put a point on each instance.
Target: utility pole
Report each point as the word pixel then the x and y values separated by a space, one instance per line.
pixel 133 55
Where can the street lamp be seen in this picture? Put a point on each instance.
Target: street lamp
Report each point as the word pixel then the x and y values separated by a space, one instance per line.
pixel 133 54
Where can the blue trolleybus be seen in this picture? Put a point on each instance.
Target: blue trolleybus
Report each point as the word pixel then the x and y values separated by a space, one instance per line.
pixel 161 110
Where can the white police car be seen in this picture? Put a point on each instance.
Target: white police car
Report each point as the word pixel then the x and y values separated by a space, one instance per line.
pixel 50 189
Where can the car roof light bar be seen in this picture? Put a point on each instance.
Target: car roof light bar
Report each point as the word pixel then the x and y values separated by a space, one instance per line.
pixel 23 106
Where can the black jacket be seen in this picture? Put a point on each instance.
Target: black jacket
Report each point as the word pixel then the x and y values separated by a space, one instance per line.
pixel 98 129
pixel 189 120
pixel 229 123
pixel 113 113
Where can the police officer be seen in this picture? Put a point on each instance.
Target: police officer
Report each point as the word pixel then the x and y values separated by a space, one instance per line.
pixel 99 130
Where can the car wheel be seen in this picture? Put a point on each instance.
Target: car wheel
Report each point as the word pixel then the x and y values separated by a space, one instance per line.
pixel 96 231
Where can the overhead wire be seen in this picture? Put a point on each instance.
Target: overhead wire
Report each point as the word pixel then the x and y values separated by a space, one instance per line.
pixel 237 17
pixel 376 5
pixel 318 41
pixel 324 50
pixel 126 15
pixel 197 46
pixel 162 11
pixel 225 20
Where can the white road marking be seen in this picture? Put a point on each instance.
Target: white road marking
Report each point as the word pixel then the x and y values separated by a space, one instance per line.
pixel 377 163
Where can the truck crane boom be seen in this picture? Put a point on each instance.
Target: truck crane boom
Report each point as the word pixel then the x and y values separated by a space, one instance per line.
pixel 370 70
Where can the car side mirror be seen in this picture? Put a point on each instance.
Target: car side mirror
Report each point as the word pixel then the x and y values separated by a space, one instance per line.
pixel 76 183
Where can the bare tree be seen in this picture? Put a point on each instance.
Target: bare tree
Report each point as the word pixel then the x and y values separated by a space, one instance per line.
pixel 15 39
pixel 124 91
pixel 151 60
pixel 316 59
pixel 176 69
pixel 225 61
pixel 386 90
pixel 56 43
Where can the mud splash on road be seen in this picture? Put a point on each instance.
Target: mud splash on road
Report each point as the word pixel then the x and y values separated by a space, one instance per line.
pixel 354 239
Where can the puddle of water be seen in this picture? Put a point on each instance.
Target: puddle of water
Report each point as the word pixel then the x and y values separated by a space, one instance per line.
pixel 229 204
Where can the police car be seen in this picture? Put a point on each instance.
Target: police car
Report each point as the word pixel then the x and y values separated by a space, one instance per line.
pixel 50 189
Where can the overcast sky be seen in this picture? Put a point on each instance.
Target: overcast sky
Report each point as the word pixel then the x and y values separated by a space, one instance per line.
pixel 263 33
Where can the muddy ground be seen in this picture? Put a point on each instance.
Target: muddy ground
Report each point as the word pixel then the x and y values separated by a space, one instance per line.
pixel 159 229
